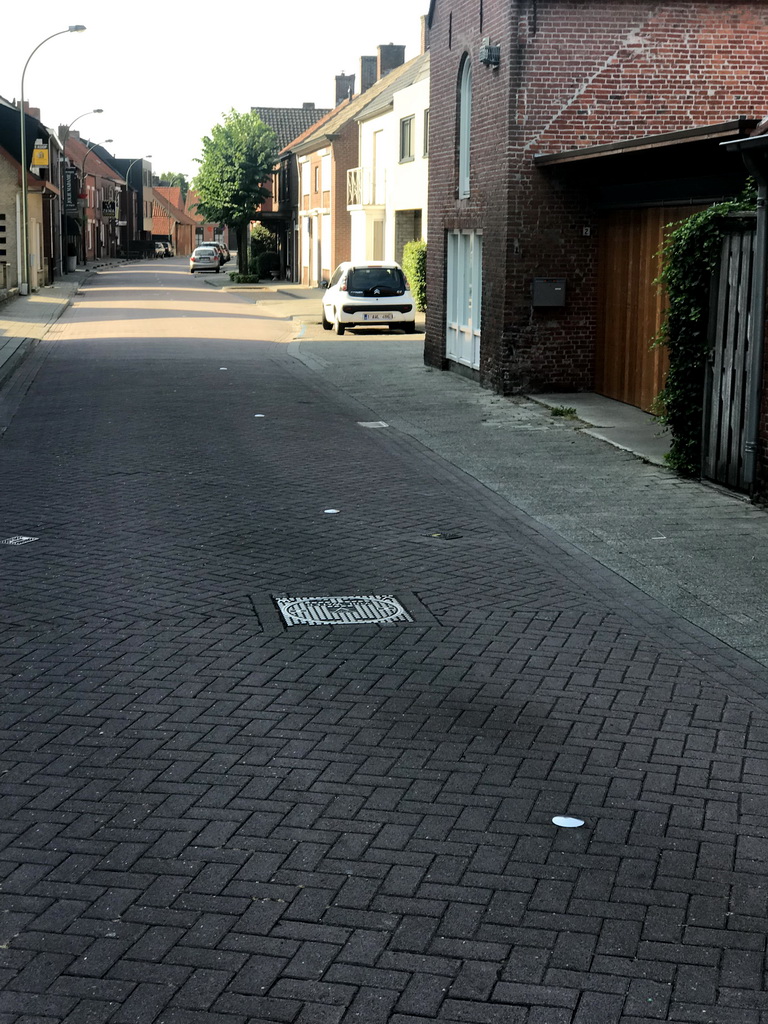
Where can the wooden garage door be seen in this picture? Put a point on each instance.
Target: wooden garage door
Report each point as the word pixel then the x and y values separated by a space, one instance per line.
pixel 630 305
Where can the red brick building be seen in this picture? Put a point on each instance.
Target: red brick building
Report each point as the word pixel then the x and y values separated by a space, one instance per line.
pixel 564 135
pixel 170 222
pixel 323 157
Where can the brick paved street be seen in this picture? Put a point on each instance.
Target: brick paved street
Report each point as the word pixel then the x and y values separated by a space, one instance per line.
pixel 212 818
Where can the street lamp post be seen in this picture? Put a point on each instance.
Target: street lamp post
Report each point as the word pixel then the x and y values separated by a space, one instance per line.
pixel 24 282
pixel 64 140
pixel 88 152
pixel 147 156
pixel 65 133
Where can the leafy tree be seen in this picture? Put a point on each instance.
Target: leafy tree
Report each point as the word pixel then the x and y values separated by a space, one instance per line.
pixel 176 178
pixel 237 161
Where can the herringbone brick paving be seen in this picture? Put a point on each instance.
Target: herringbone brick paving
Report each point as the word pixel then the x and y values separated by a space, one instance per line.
pixel 211 818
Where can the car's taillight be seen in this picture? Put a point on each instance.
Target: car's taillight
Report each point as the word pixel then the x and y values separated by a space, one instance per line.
pixel 192 259
pixel 343 285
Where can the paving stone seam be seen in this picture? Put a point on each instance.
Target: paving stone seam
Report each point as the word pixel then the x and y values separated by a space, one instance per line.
pixel 611 586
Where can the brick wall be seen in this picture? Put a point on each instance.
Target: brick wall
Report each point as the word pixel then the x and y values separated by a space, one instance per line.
pixel 573 73
pixel 345 157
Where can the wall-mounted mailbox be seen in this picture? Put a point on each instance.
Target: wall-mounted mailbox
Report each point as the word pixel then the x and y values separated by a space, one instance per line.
pixel 549 291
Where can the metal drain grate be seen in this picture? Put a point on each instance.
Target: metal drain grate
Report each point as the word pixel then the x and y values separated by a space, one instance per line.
pixel 341 611
pixel 16 541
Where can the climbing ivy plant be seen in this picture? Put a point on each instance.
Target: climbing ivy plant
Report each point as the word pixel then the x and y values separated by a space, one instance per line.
pixel 689 257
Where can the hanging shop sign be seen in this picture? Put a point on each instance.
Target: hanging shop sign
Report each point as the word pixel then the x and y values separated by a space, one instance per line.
pixel 70 189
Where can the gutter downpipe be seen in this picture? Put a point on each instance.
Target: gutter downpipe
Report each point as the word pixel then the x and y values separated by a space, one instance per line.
pixel 754 153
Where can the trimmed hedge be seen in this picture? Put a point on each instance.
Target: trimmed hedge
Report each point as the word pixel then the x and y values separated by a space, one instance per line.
pixel 415 269
pixel 267 262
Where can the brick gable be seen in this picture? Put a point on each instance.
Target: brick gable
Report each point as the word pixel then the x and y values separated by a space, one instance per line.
pixel 574 74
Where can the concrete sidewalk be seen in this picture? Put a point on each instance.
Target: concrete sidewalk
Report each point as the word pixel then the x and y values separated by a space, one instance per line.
pixel 25 320
pixel 618 424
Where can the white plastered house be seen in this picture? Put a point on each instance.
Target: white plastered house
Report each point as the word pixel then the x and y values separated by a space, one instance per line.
pixel 387 192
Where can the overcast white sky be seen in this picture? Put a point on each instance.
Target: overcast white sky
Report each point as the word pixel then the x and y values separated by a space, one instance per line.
pixel 165 72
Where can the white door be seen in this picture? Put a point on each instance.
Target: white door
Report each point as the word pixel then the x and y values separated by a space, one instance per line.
pixel 464 297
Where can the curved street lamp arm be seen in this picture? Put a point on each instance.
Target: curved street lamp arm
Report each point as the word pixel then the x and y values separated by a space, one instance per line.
pixel 24 277
pixel 97 110
pixel 63 32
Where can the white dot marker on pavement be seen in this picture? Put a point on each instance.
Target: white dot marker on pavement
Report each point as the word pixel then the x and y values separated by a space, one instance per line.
pixel 258 415
pixel 330 511
pixel 564 822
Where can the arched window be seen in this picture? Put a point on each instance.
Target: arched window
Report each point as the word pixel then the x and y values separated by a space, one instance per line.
pixel 465 126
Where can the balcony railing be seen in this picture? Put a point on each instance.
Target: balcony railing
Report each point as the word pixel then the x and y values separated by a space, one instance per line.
pixel 364 188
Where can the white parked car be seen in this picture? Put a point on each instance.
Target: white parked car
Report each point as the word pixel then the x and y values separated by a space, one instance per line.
pixel 205 257
pixel 368 293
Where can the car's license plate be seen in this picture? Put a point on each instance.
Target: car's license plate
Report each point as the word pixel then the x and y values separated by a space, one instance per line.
pixel 378 316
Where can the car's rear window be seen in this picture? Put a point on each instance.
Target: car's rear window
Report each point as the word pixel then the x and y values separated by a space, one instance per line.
pixel 367 280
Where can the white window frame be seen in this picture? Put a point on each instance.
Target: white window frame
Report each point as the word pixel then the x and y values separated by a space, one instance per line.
pixel 407 138
pixel 465 127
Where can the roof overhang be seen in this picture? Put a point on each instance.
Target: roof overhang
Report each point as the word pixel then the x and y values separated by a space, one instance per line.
pixel 679 168
pixel 317 142
pixel 754 153
pixel 369 114
pixel 44 188
pixel 737 128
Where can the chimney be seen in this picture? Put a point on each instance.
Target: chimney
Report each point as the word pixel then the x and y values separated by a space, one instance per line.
pixel 368 73
pixel 308 106
pixel 390 57
pixel 345 87
pixel 424 33
pixel 31 111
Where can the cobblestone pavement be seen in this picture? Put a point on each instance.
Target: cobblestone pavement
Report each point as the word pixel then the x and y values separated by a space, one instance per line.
pixel 213 818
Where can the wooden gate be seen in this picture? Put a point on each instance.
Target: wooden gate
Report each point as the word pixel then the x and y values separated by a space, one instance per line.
pixel 630 305
pixel 726 388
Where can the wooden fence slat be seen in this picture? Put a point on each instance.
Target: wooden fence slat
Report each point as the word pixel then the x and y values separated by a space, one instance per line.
pixel 713 379
pixel 727 379
pixel 741 361
pixel 726 386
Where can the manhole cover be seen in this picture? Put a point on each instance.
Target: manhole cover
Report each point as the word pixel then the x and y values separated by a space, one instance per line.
pixel 339 611
pixel 15 541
